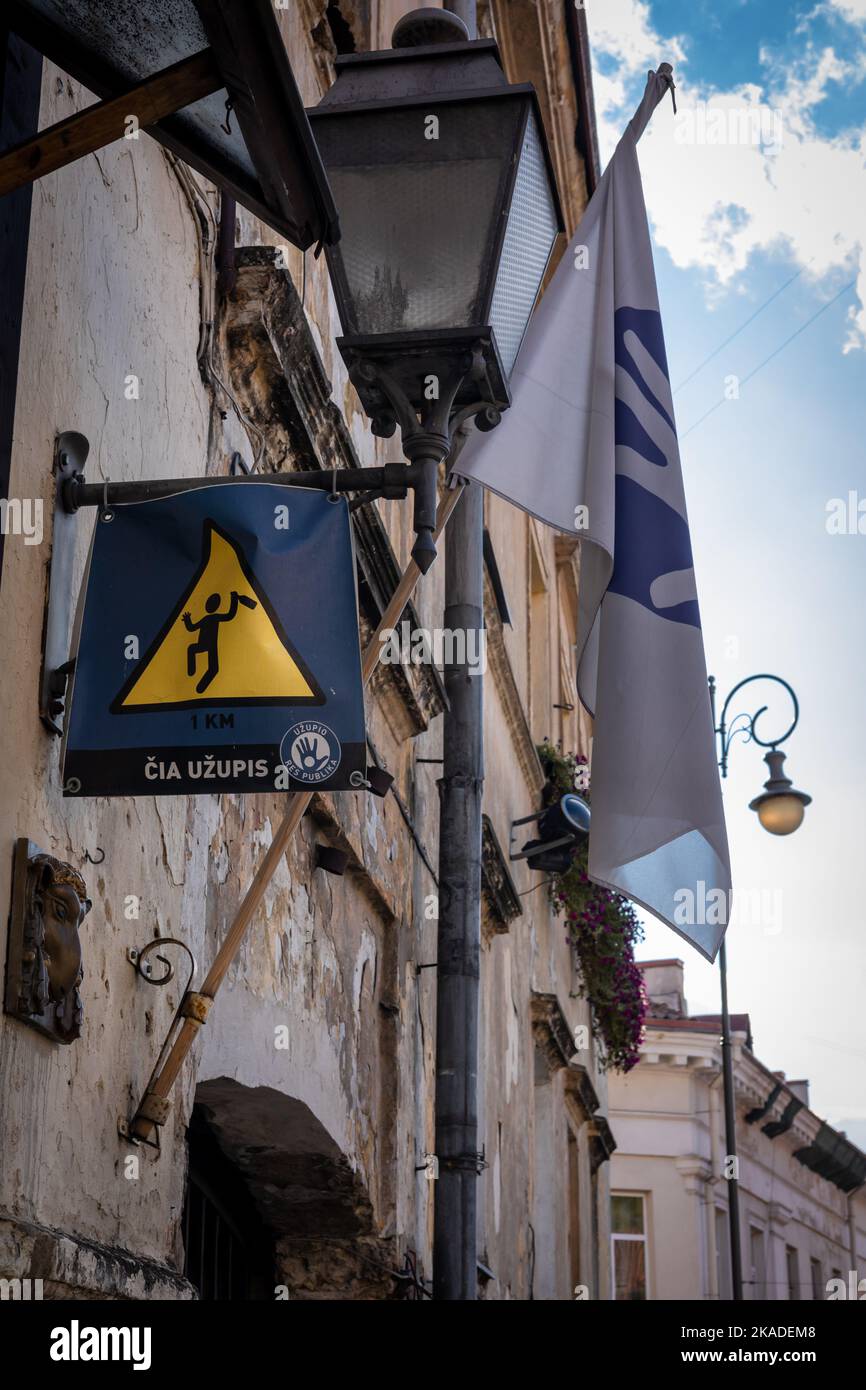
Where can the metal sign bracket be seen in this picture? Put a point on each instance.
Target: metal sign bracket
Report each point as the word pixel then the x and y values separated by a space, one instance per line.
pixel 70 455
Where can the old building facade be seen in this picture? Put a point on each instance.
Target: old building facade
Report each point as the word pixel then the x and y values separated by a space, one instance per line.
pixel 298 1137
pixel 802 1202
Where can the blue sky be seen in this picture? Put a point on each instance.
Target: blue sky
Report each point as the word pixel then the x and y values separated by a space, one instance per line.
pixel 733 223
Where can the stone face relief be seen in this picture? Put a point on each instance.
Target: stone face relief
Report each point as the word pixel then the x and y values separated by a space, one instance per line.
pixel 44 970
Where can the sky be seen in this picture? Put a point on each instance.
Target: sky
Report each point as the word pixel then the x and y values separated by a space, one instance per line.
pixel 759 229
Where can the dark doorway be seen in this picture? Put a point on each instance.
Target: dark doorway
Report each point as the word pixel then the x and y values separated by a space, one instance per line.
pixel 228 1254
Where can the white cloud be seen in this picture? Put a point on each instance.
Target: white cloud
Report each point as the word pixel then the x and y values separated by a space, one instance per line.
pixel 852 10
pixel 714 206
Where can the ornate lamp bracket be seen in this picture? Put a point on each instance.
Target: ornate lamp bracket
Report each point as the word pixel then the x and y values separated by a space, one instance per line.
pixel 430 388
pixel 745 724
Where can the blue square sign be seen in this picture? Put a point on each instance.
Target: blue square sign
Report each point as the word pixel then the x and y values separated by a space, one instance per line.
pixel 218 647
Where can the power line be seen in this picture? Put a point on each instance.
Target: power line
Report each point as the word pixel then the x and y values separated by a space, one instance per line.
pixel 775 353
pixel 837 1047
pixel 737 331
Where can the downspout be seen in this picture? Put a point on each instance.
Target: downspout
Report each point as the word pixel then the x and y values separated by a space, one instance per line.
pixel 455 1256
pixel 226 272
pixel 852 1231
pixel 716 1163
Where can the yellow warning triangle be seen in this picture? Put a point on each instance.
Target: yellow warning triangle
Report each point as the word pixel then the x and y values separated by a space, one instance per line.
pixel 222 645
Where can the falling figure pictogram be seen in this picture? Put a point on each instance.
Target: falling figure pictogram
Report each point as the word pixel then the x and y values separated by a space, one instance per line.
pixel 224 614
pixel 208 635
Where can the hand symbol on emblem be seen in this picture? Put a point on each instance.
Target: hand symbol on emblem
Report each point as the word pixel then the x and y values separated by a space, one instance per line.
pixel 306 752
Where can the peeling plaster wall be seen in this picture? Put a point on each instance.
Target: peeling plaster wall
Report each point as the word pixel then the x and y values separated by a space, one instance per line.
pixel 325 1003
pixel 112 290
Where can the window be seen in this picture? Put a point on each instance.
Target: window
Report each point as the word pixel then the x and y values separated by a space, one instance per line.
pixel 759 1268
pixel 495 576
pixel 792 1267
pixel 573 1210
pixel 817 1280
pixel 629 1253
pixel 541 715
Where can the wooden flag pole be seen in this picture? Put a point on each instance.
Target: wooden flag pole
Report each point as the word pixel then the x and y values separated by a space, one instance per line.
pixel 196 1005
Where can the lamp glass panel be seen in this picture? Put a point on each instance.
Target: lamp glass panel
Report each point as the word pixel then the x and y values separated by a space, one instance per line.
pixel 418 214
pixel 529 237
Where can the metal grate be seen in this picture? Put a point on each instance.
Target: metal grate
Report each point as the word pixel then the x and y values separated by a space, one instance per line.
pixel 227 1253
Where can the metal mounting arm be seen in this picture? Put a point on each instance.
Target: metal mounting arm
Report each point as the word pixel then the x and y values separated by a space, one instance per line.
pixel 726 733
pixel 428 384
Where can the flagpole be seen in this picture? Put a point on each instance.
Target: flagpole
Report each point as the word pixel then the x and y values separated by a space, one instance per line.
pixel 196 1005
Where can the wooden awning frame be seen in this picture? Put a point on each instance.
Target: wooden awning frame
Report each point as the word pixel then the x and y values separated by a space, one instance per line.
pixel 246 57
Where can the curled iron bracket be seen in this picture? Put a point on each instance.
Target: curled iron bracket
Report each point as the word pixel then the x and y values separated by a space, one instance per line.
pixel 726 732
pixel 144 968
pixel 89 857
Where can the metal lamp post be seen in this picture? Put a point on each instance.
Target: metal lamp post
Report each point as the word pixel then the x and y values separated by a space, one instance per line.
pixel 449 212
pixel 780 809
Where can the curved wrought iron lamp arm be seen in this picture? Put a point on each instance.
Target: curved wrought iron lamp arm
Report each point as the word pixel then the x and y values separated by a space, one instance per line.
pixel 727 734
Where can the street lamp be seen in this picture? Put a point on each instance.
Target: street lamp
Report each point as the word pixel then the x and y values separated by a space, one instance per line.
pixel 780 810
pixel 449 212
pixel 780 806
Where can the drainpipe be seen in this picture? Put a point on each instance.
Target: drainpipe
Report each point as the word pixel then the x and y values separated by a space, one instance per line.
pixel 225 257
pixel 852 1231
pixel 455 1275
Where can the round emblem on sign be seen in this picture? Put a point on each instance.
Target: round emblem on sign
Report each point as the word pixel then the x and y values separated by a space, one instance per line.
pixel 311 751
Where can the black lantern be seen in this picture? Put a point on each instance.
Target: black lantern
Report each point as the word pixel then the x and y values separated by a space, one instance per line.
pixel 562 827
pixel 448 207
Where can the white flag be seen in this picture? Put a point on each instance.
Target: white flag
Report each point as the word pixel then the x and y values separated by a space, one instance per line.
pixel 589 446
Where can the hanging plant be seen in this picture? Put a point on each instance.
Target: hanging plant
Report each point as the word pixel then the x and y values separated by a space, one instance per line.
pixel 603 928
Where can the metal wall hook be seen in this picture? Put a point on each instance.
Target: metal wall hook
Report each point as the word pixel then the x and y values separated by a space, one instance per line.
pixel 89 857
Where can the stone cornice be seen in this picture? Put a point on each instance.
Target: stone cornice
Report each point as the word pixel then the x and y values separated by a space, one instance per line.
pixel 71 1266
pixel 753 1082
pixel 602 1143
pixel 695 1171
pixel 500 896
pixel 551 1031
pixel 579 1086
